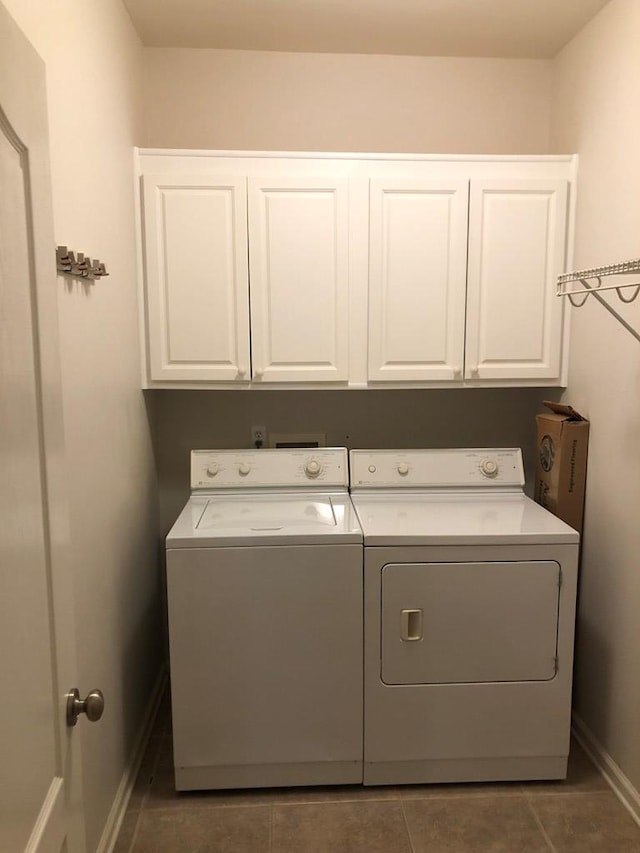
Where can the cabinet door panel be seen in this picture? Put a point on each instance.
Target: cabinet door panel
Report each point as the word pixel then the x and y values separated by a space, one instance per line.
pixel 197 277
pixel 417 279
pixel 299 262
pixel 517 237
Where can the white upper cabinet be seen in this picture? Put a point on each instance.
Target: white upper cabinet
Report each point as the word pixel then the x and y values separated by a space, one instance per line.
pixel 417 279
pixel 299 273
pixel 197 296
pixel 271 270
pixel 517 235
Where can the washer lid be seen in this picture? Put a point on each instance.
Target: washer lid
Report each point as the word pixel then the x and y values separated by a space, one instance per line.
pixel 269 519
pixel 458 518
pixel 259 514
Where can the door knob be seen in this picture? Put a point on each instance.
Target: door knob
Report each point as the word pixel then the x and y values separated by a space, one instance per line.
pixel 92 706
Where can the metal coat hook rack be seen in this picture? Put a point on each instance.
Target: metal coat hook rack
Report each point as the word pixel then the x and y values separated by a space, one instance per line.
pixel 81 267
pixel 578 295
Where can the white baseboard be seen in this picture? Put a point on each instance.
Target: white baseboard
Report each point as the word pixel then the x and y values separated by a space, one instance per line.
pixel 125 788
pixel 621 786
pixel 49 831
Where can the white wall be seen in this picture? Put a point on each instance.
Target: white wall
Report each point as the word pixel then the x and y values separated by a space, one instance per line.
pixel 93 64
pixel 595 112
pixel 317 102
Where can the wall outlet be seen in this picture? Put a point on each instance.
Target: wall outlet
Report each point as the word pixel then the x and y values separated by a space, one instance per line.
pixel 259 436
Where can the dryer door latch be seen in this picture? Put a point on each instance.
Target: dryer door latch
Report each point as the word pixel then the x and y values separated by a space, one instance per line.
pixel 410 625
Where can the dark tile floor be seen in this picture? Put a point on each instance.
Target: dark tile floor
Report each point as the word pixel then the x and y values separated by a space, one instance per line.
pixel 579 815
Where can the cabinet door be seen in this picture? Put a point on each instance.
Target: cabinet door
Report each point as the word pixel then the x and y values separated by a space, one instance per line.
pixel 299 263
pixel 197 296
pixel 517 232
pixel 417 279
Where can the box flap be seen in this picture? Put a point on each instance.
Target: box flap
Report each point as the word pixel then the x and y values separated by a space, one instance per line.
pixel 568 412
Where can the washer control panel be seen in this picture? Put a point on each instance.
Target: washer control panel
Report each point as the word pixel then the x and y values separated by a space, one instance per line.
pixel 325 467
pixel 455 468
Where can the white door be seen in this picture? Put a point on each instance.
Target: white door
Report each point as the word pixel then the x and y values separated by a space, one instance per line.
pixel 39 758
pixel 197 288
pixel 417 279
pixel 469 623
pixel 299 270
pixel 517 232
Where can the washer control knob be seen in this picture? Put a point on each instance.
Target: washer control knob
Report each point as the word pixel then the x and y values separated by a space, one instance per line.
pixel 244 468
pixel 312 468
pixel 403 469
pixel 213 469
pixel 372 469
pixel 489 467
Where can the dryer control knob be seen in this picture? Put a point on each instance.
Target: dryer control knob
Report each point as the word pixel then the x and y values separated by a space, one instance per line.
pixel 372 469
pixel 489 467
pixel 213 469
pixel 244 468
pixel 403 469
pixel 312 468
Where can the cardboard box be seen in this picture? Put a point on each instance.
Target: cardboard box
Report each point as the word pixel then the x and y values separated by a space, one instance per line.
pixel 561 470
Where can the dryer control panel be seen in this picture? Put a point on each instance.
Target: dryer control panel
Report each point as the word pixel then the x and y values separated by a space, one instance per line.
pixel 458 468
pixel 323 468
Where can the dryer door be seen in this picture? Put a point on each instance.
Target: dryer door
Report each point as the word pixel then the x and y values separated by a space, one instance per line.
pixel 446 623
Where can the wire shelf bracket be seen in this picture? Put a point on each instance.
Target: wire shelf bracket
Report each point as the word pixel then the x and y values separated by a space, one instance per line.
pixel 578 287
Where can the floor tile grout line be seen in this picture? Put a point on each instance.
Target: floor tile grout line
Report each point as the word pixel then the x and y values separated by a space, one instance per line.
pixel 540 825
pixel 336 802
pixel 455 797
pixel 213 806
pixel 406 824
pixel 586 793
pixel 203 804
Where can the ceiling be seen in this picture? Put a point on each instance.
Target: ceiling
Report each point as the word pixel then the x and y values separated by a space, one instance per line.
pixel 498 28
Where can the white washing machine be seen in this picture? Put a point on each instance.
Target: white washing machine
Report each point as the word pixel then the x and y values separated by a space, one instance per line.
pixel 264 587
pixel 470 592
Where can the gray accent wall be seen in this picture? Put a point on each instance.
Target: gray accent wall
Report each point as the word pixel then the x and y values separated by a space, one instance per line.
pixel 471 417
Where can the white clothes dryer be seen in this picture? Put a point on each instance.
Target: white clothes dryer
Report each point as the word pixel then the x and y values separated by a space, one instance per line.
pixel 264 589
pixel 470 592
